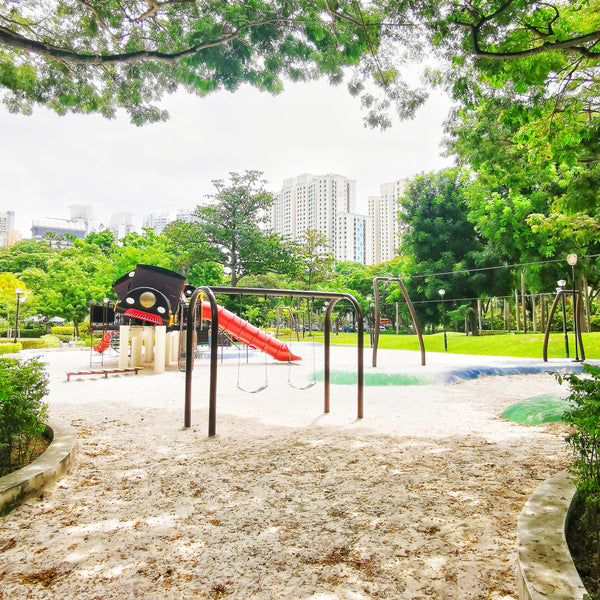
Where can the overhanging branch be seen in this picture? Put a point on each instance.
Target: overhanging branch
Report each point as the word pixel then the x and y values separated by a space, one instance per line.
pixel 15 40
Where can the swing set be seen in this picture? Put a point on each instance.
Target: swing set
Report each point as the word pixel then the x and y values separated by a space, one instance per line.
pixel 208 292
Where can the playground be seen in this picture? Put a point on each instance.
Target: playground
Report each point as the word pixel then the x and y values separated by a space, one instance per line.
pixel 418 499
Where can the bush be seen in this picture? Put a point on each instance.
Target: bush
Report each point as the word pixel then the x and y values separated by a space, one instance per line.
pixel 23 385
pixel 584 419
pixel 31 332
pixel 62 330
pixel 34 343
pixel 10 348
pixel 50 341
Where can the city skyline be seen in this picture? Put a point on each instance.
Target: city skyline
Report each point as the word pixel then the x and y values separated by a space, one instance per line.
pixel 49 162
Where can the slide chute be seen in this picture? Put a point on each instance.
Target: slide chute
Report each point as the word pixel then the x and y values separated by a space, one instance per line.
pixel 249 334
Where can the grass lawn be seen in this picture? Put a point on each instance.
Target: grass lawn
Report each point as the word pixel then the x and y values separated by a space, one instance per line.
pixel 528 345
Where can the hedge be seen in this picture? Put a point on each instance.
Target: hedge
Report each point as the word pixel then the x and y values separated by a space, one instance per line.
pixel 10 348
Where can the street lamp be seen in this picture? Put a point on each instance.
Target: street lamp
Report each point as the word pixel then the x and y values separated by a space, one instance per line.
pixel 442 293
pixel 560 289
pixel 372 319
pixel 18 292
pixel 572 260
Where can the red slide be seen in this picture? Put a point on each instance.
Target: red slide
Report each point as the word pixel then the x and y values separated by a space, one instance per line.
pixel 250 335
pixel 104 343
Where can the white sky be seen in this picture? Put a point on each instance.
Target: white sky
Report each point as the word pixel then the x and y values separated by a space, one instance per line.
pixel 49 162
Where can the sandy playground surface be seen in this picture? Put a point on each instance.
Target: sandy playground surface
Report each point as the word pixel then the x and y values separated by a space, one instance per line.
pixel 419 499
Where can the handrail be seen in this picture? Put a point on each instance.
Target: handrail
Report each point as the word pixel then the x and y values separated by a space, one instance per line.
pixel 210 291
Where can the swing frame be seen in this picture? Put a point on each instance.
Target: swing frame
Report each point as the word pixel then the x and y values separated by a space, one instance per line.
pixel 413 315
pixel 209 294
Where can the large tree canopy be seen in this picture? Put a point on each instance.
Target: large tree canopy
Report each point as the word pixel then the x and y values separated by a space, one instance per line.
pixel 234 226
pixel 96 56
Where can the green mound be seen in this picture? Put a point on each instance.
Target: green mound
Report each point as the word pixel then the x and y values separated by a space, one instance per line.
pixel 375 379
pixel 545 408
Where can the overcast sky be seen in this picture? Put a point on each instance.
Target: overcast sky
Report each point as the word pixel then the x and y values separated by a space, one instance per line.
pixel 49 162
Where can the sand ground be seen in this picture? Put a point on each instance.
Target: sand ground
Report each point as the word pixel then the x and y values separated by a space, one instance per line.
pixel 419 499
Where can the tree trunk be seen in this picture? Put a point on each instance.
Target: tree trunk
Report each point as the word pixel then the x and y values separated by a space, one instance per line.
pixel 472 317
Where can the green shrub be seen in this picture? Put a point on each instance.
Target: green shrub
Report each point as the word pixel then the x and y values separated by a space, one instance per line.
pixel 10 348
pixel 62 330
pixel 32 332
pixel 23 385
pixel 584 419
pixel 34 343
pixel 62 337
pixel 50 341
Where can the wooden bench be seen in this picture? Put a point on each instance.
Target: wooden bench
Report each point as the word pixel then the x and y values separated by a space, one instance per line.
pixel 105 372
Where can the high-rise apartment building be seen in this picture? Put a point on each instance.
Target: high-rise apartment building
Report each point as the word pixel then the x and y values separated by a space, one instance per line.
pixel 385 232
pixel 121 224
pixel 156 221
pixel 352 237
pixel 7 226
pixel 186 215
pixel 317 202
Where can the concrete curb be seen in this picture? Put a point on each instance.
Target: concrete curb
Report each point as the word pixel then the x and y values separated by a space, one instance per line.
pixel 29 481
pixel 545 570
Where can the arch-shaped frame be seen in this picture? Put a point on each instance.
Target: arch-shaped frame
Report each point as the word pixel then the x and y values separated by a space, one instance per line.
pixel 376 281
pixel 210 291
pixel 562 294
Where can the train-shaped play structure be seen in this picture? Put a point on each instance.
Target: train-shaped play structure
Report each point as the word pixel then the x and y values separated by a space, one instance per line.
pixel 150 317
pixel 160 319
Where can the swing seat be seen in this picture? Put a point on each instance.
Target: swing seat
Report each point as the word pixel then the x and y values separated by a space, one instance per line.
pixel 264 386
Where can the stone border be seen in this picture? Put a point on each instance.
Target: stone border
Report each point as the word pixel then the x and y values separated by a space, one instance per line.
pixel 545 569
pixel 29 481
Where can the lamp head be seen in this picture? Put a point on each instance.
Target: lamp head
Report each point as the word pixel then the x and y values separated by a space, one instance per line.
pixel 442 292
pixel 561 283
pixel 18 291
pixel 572 259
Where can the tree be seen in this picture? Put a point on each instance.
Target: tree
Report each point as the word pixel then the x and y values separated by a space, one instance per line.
pixel 536 191
pixel 315 257
pixel 104 239
pixel 24 254
pixel 190 252
pixel 72 279
pixel 93 56
pixel 75 56
pixel 445 249
pixel 234 226
pixel 8 284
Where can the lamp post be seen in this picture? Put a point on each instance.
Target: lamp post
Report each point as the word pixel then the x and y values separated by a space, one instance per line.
pixel 18 292
pixel 572 260
pixel 442 293
pixel 560 289
pixel 372 319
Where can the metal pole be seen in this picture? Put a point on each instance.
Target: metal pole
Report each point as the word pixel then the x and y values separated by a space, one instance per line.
pixel 575 314
pixel 564 316
pixel 17 316
pixel 444 325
